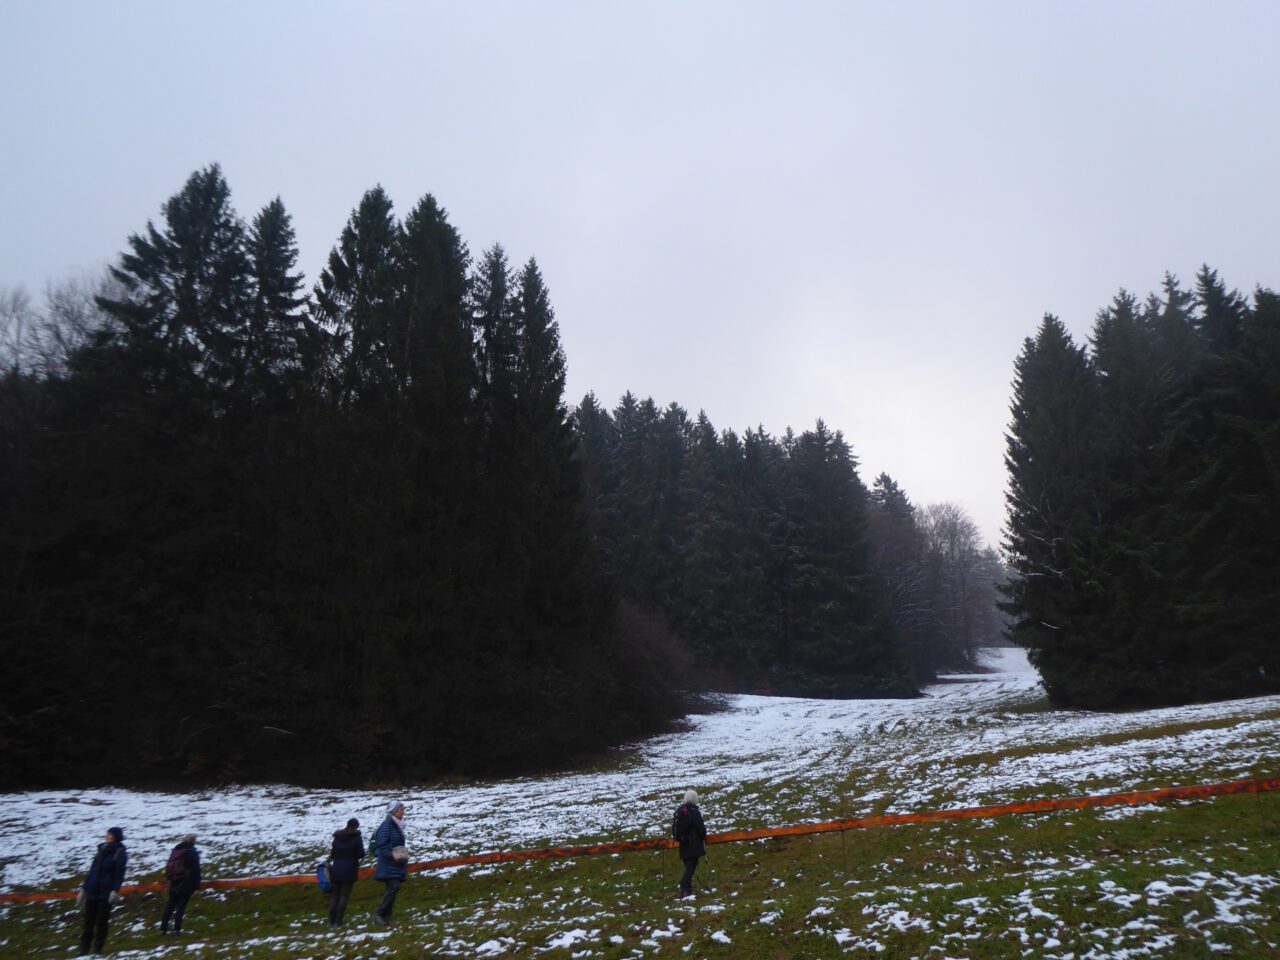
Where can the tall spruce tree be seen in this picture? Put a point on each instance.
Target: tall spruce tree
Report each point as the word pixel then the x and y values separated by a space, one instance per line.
pixel 1221 508
pixel 493 312
pixel 357 293
pixel 835 628
pixel 897 550
pixel 705 561
pixel 1050 456
pixel 765 478
pixel 186 288
pixel 431 337
pixel 1133 408
pixel 279 334
pixel 1156 664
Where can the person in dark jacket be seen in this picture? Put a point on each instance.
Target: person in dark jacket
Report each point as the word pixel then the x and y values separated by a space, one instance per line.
pixel 688 828
pixel 390 870
pixel 344 868
pixel 101 889
pixel 183 871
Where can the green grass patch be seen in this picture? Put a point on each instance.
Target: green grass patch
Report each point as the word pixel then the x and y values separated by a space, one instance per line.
pixel 1188 880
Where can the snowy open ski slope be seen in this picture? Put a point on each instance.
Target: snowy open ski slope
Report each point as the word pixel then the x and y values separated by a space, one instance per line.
pixel 974 739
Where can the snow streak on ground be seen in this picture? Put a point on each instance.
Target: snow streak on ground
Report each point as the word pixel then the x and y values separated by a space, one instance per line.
pixel 974 739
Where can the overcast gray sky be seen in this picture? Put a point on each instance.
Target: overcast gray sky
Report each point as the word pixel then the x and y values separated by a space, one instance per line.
pixel 773 212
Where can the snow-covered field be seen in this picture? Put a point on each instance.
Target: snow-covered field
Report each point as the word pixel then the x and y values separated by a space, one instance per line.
pixel 975 739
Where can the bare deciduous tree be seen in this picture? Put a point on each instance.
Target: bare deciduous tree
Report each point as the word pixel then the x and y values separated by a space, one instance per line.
pixel 40 342
pixel 15 322
pixel 964 574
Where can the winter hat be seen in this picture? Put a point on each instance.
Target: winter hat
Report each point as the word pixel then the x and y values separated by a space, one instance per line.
pixel 393 806
pixel 353 824
pixel 117 833
pixel 189 838
pixel 690 796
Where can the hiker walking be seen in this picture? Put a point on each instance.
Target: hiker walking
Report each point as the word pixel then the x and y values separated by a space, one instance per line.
pixel 392 858
pixel 183 873
pixel 101 888
pixel 688 828
pixel 344 868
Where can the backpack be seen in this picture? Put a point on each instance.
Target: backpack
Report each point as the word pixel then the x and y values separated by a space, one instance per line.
pixel 176 866
pixel 680 824
pixel 322 876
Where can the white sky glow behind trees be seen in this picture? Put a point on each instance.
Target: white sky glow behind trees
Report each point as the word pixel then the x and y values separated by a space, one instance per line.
pixel 773 212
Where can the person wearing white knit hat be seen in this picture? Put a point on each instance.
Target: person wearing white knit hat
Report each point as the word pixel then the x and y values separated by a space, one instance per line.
pixel 688 828
pixel 392 859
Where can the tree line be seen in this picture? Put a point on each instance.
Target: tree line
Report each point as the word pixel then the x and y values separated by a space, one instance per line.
pixel 254 531
pixel 1144 499
pixel 774 564
pixel 249 533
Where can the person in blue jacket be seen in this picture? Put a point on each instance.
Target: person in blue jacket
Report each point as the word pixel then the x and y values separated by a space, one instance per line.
pixel 101 888
pixel 344 868
pixel 389 869
pixel 183 873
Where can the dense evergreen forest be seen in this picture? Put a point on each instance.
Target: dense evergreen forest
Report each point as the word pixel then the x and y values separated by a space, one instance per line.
pixel 250 531
pixel 772 561
pixel 1144 500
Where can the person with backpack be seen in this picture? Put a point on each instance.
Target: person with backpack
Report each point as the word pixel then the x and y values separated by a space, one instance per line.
pixel 344 869
pixel 688 828
pixel 183 873
pixel 392 859
pixel 102 888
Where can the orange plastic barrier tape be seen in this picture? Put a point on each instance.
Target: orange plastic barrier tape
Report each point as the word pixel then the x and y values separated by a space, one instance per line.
pixel 1131 799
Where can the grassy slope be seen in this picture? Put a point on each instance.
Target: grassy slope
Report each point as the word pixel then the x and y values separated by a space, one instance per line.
pixel 1188 880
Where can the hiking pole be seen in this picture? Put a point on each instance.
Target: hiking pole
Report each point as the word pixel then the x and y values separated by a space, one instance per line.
pixel 1262 816
pixel 844 856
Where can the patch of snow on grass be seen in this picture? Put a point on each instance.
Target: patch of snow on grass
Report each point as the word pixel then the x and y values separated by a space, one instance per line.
pixel 968 741
pixel 567 939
